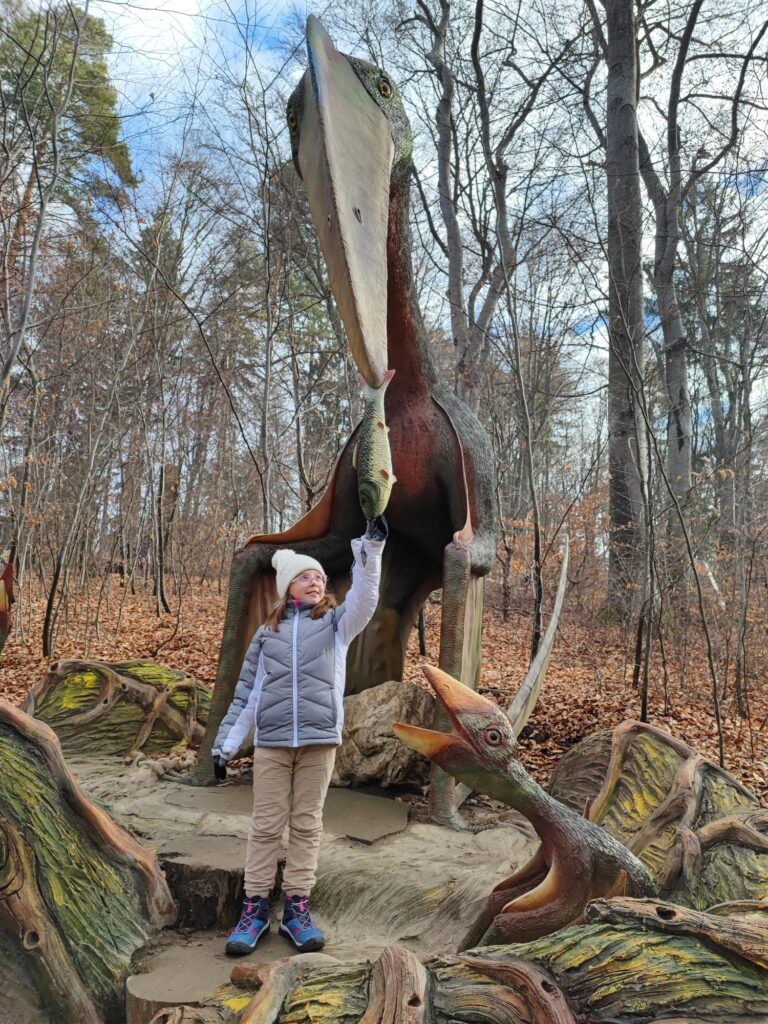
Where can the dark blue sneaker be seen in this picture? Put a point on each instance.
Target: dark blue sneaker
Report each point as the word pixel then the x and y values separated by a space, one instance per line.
pixel 298 926
pixel 253 923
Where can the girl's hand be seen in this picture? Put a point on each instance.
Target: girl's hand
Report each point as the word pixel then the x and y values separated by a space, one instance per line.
pixel 219 769
pixel 377 529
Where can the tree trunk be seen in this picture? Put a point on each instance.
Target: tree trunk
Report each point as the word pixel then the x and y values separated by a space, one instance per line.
pixel 678 397
pixel 626 431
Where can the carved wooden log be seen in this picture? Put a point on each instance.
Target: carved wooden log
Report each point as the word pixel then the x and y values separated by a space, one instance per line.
pixel 78 895
pixel 642 968
pixel 124 708
pixel 193 1015
pixel 543 1002
pixel 398 993
pixel 274 982
pixel 701 834
pixel 626 972
pixel 748 940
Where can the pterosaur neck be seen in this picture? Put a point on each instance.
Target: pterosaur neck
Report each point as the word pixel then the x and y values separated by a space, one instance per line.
pixel 527 796
pixel 408 348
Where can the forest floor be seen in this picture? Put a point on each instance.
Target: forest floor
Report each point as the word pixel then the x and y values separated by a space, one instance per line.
pixel 588 686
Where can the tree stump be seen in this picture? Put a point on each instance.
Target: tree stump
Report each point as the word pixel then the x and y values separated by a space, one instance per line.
pixel 78 894
pixel 124 708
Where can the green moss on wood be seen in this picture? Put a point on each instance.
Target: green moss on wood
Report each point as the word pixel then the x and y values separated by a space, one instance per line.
pixel 91 901
pixel 117 700
pixel 720 797
pixel 726 873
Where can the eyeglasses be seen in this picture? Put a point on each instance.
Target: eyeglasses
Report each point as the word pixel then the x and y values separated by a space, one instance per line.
pixel 314 577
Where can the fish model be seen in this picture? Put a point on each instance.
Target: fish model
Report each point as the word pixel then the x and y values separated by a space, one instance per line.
pixel 372 457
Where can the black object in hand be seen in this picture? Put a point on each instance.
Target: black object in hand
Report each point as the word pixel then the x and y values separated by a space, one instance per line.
pixel 377 529
pixel 219 768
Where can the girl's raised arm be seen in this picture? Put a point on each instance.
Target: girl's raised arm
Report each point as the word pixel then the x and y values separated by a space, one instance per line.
pixel 363 596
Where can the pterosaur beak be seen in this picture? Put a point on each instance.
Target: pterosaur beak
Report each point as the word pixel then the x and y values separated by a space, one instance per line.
pixel 346 153
pixel 424 741
pixel 457 699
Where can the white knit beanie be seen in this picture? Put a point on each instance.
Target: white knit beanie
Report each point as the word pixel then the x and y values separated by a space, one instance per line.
pixel 288 564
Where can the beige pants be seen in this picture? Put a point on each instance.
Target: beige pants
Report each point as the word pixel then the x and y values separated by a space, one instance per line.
pixel 289 785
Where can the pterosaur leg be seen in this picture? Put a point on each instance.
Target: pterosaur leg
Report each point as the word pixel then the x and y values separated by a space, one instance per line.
pixel 521 708
pixel 460 650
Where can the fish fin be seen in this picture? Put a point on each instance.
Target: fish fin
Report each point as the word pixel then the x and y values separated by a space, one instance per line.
pixel 355 451
pixel 388 377
pixel 385 474
pixel 381 423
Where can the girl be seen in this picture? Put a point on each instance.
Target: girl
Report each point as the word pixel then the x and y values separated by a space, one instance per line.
pixel 290 692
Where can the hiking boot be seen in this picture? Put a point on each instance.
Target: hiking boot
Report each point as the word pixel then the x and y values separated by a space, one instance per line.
pixel 253 923
pixel 298 926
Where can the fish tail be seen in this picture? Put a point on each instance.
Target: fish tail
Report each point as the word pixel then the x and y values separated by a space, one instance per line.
pixel 366 388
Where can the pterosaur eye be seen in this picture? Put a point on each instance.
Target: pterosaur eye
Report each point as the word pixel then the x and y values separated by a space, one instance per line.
pixel 493 736
pixel 292 120
pixel 385 87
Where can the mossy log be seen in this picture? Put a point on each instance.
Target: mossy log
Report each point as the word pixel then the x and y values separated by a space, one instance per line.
pixel 100 708
pixel 633 962
pixel 78 894
pixel 701 834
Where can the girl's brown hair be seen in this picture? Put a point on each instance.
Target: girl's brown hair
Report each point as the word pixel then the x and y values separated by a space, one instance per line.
pixel 272 620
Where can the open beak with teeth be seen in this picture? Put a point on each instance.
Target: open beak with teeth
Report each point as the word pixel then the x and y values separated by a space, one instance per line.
pixel 472 716
pixel 346 153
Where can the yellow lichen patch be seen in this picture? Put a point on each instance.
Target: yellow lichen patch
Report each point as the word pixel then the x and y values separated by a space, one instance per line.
pixel 77 693
pixel 619 972
pixel 159 676
pixel 338 995
pixel 235 999
pixel 721 797
pixel 647 772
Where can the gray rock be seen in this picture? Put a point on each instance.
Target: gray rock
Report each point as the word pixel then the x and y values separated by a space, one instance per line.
pixel 370 753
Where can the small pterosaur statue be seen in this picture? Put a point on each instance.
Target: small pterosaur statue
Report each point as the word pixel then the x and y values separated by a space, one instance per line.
pixel 577 860
pixel 352 144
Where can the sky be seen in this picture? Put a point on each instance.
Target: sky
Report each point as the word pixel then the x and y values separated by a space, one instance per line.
pixel 156 63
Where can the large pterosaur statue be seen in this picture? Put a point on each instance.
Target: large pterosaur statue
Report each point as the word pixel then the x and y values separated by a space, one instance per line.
pixel 352 147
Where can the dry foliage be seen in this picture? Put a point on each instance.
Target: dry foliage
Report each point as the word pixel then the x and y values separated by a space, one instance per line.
pixel 589 683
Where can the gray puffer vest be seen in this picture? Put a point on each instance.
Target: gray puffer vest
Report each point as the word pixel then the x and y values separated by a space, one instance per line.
pixel 298 704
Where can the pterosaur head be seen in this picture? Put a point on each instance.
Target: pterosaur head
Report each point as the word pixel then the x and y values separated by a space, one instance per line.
pixel 351 144
pixel 479 750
